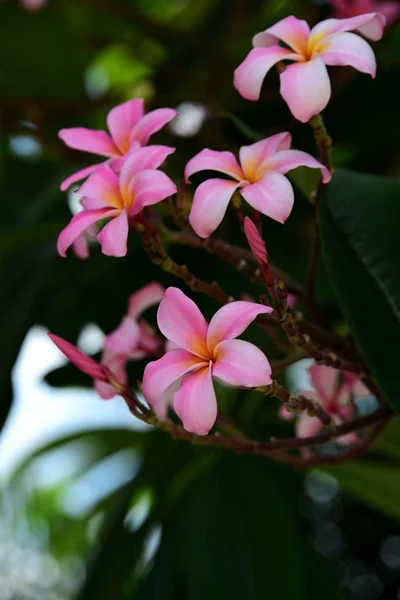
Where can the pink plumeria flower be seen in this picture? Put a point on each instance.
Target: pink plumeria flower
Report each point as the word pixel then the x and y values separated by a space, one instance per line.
pixel 120 198
pixel 202 351
pixel 353 8
pixel 334 395
pixel 260 177
pixel 133 339
pixel 305 86
pixel 129 129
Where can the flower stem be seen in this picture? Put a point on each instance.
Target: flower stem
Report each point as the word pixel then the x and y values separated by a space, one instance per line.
pixel 158 255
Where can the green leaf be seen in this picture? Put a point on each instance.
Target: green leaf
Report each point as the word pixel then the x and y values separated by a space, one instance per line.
pixel 359 219
pixel 237 533
pixel 373 483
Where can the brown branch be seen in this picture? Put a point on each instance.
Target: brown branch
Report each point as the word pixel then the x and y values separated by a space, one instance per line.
pixel 240 258
pixel 158 255
pixel 336 459
pixel 303 341
pixel 247 446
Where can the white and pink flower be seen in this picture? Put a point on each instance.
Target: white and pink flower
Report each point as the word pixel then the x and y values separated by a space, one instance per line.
pixel 129 129
pixel 201 352
pixel 260 179
pixel 305 85
pixel 120 198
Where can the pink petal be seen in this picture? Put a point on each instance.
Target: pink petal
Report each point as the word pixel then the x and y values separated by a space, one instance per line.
pixel 231 320
pixel 195 402
pixel 292 31
pixel 89 140
pixel 349 49
pixel 121 121
pixel 180 321
pixel 390 10
pixel 149 187
pixel 285 161
pixel 150 342
pixel 80 247
pixel 103 188
pixel 356 387
pixel 113 237
pixel 149 157
pixel 160 374
pixel 249 75
pixel 78 176
pixel 325 28
pixel 150 123
pixel 272 196
pixel 78 224
pixel 147 296
pixel 81 360
pixel 285 414
pixel 306 88
pixel 242 364
pixel 105 390
pixel 213 160
pixel 210 202
pixel 117 365
pixel 252 156
pixel 307 426
pixel 124 338
pixel 326 383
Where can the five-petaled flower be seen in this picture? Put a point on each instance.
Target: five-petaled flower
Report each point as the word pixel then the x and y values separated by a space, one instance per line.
pixel 352 8
pixel 202 351
pixel 260 178
pixel 133 339
pixel 305 85
pixel 121 198
pixel 333 390
pixel 129 129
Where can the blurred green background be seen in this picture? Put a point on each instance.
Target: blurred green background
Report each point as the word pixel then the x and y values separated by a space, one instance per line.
pixel 91 504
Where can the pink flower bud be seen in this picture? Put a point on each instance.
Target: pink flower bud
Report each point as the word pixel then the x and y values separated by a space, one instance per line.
pixel 81 360
pixel 256 243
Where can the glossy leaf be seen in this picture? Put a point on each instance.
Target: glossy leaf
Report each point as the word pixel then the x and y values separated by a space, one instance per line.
pixel 360 217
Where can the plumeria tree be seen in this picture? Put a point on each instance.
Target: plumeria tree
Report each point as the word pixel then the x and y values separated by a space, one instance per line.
pixel 197 352
pixel 214 185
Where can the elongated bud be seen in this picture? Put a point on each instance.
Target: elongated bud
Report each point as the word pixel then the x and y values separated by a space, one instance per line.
pixel 81 360
pixel 256 243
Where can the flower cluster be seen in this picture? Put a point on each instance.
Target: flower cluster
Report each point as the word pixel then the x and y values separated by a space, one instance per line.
pixel 335 393
pixel 117 191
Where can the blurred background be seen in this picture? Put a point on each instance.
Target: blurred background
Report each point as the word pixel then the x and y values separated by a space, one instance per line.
pixel 93 504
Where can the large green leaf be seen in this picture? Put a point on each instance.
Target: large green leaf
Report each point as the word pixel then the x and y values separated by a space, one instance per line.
pixel 237 533
pixel 360 218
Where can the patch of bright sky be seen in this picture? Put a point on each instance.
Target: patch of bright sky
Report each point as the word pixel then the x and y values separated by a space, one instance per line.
pixel 41 414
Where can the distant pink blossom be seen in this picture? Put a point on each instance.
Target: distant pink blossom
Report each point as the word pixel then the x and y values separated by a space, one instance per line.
pixel 119 198
pixel 129 129
pixel 32 5
pixel 202 351
pixel 260 178
pixel 353 8
pixel 305 85
pixel 133 339
pixel 333 390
